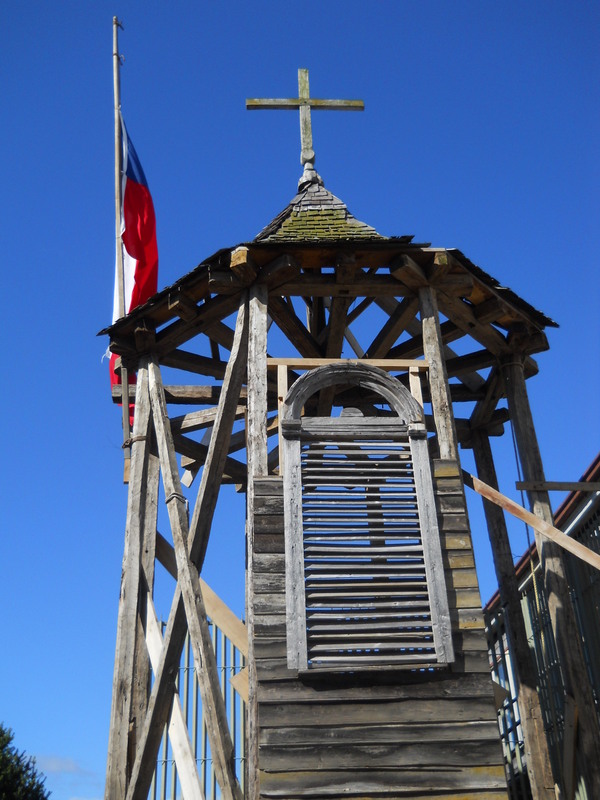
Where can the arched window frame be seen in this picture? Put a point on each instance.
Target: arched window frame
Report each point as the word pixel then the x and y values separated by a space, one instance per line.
pixel 410 422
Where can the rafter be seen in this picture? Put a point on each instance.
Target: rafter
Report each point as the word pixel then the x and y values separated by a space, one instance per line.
pixel 395 325
pixel 286 319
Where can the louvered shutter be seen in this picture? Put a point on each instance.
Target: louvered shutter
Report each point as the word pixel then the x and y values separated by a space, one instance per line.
pixel 364 557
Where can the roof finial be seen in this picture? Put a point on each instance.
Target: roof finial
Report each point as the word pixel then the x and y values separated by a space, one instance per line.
pixel 305 102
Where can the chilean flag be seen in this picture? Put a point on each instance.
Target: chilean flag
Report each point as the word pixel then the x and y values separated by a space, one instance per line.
pixel 138 240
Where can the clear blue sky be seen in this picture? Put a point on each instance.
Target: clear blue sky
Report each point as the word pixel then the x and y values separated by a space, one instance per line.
pixel 480 132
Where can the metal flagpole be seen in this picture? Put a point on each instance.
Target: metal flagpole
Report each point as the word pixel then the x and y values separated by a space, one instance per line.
pixel 119 245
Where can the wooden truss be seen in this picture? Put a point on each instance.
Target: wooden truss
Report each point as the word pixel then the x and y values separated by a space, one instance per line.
pixel 385 301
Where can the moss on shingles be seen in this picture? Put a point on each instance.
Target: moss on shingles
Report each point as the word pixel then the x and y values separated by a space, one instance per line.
pixel 316 214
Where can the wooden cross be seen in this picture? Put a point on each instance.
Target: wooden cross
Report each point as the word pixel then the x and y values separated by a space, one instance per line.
pixel 305 102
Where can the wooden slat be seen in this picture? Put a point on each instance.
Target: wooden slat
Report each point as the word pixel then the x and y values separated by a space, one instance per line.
pixel 485 783
pixel 549 531
pixel 390 364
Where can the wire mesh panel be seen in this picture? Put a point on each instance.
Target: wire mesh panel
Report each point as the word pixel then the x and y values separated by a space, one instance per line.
pixel 230 661
pixel 366 590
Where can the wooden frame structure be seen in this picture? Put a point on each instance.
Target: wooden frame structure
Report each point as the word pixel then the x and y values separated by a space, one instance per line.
pixel 315 286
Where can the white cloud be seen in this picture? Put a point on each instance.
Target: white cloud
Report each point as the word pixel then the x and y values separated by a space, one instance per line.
pixel 56 764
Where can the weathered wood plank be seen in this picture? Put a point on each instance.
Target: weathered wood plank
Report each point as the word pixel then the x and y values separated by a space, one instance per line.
pixel 117 765
pixel 389 364
pixel 429 755
pixel 184 395
pixel 257 468
pixel 408 733
pixel 441 401
pixel 392 712
pixel 415 688
pixel 483 783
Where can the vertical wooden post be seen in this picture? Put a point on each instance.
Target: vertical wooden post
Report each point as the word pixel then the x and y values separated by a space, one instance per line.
pixel 562 614
pixel 118 768
pixel 539 768
pixel 441 402
pixel 141 684
pixel 257 467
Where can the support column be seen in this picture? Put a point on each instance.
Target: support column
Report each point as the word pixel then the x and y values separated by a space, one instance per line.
pixel 257 467
pixel 120 740
pixel 562 614
pixel 539 768
pixel 441 402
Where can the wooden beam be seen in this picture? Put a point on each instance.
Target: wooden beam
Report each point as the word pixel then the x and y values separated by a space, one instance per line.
pixel 494 391
pixel 308 285
pixel 188 581
pixel 257 467
pixel 560 606
pixel 142 665
pixel 117 772
pixel 463 315
pixel 536 745
pixel 185 760
pixel 198 420
pixel 212 310
pixel 472 362
pixel 395 325
pixel 441 401
pixel 183 395
pixel 537 523
pixel 242 265
pixel 175 632
pixel 390 364
pixel 198 453
pixel 191 362
pixel 336 328
pixel 278 272
pixel 559 486
pixel 406 270
pixel 182 305
pixel 218 611
pixel 286 319
pixel 414 347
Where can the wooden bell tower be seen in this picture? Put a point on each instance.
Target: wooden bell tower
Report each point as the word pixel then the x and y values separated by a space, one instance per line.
pixel 338 410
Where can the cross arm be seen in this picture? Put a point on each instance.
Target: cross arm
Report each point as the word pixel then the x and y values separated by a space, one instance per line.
pixel 294 103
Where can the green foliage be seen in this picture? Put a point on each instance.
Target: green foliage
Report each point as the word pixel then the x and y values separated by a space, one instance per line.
pixel 19 779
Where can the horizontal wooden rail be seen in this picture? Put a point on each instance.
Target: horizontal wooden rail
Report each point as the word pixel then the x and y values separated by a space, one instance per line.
pixel 558 486
pixel 389 364
pixel 549 531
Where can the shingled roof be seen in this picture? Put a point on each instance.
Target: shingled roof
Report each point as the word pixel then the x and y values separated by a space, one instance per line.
pixel 315 214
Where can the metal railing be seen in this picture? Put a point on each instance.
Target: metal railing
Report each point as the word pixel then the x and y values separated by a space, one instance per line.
pixel 230 662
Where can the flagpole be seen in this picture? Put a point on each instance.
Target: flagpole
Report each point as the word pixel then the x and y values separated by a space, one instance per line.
pixel 119 247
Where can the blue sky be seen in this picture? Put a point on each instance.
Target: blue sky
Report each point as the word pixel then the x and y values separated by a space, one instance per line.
pixel 480 132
